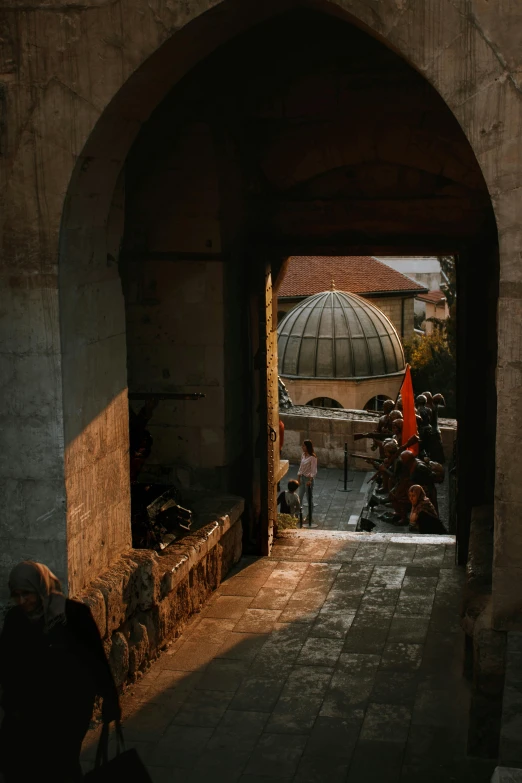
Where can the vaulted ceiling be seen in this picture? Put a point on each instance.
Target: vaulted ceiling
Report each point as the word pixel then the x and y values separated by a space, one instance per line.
pixel 331 137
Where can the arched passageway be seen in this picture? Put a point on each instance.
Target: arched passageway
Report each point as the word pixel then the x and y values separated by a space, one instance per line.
pixel 280 141
pixel 319 143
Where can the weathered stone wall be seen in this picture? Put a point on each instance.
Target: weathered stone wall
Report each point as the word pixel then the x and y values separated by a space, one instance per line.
pixel 510 752
pixel 353 395
pixel 330 432
pixel 145 599
pixel 400 312
pixel 79 82
pixel 184 303
pixel 176 304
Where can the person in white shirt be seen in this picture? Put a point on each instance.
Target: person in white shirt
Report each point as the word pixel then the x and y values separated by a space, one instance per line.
pixel 289 501
pixel 306 475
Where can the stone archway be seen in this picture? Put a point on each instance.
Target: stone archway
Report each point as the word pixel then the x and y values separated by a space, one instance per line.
pixel 70 128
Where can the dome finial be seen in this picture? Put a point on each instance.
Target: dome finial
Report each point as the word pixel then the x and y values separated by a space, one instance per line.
pixel 332 287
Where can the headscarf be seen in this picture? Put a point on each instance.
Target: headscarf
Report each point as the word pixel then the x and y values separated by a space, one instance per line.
pixel 37 578
pixel 423 504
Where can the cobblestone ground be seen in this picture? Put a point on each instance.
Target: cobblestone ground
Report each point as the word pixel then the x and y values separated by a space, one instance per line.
pixel 336 659
pixel 335 509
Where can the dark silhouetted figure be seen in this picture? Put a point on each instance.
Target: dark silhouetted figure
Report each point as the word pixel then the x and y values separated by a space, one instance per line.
pixel 52 666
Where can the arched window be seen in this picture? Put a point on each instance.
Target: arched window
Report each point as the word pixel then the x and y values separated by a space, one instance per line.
pixel 324 402
pixel 375 404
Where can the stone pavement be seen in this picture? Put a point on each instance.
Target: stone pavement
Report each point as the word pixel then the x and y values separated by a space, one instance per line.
pixel 334 509
pixel 338 510
pixel 337 659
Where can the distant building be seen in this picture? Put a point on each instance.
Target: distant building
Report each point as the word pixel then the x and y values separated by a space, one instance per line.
pixel 425 270
pixel 436 306
pixel 389 290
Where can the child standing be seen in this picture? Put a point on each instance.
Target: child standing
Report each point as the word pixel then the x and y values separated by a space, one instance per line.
pixel 289 501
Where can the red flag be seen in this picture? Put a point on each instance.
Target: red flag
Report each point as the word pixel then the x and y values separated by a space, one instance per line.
pixel 409 426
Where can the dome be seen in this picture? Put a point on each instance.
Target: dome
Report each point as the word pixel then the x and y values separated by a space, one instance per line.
pixel 338 335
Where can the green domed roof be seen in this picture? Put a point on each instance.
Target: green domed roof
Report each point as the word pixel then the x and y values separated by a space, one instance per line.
pixel 338 335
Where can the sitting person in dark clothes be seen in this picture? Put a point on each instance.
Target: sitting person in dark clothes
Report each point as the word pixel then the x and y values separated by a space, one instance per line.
pixel 289 501
pixel 52 667
pixel 423 517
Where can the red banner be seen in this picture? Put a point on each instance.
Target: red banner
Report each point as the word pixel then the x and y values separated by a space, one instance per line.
pixel 409 426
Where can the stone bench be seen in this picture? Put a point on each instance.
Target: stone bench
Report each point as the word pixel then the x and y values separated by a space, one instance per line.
pixel 146 598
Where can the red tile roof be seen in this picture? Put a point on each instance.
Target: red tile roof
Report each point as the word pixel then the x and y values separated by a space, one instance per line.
pixel 307 275
pixel 432 297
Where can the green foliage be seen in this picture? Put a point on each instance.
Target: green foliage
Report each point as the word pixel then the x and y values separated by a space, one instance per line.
pixel 286 521
pixel 433 367
pixel 447 265
pixel 433 357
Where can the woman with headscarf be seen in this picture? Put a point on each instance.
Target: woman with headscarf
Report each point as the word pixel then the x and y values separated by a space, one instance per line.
pixel 423 516
pixel 52 667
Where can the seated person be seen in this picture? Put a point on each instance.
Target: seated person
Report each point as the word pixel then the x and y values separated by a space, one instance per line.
pixel 289 501
pixel 411 471
pixel 423 517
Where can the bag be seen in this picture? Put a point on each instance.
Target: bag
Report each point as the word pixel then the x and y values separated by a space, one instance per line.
pixel 126 766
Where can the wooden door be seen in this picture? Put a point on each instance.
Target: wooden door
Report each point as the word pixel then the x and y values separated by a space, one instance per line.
pixel 268 443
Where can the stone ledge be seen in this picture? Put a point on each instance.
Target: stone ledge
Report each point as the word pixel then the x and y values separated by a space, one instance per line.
pixel 145 598
pixel 381 538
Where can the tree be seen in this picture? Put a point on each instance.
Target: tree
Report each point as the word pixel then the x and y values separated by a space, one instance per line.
pixel 432 358
pixel 433 367
pixel 449 288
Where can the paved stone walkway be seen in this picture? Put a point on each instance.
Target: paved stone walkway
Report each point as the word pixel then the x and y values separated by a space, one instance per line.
pixel 338 659
pixel 333 508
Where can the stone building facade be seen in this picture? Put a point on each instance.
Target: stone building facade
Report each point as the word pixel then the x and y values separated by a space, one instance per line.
pixel 133 147
pixel 400 310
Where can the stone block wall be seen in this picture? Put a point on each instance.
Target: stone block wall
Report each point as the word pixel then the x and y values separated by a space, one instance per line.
pixel 510 747
pixel 183 302
pixel 145 599
pixel 401 315
pixel 330 430
pixel 350 394
pixel 95 412
pixel 328 436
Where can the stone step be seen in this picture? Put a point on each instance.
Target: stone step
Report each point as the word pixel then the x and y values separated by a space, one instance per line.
pixel 349 535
